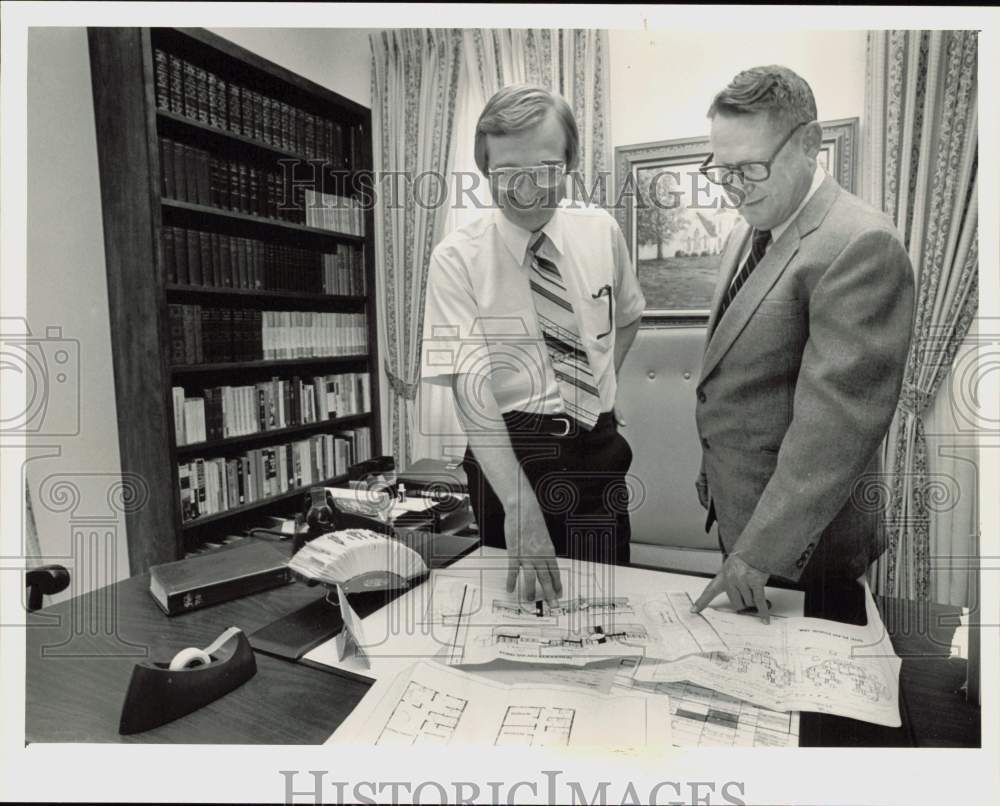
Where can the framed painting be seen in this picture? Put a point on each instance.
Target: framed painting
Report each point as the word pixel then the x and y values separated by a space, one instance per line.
pixel 676 230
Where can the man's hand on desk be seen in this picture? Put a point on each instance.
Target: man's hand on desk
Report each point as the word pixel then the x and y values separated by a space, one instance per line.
pixel 530 549
pixel 742 583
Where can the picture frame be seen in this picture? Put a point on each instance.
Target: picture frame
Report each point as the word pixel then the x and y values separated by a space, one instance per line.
pixel 676 244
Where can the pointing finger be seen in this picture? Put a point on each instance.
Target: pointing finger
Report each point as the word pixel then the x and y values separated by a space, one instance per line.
pixel 707 595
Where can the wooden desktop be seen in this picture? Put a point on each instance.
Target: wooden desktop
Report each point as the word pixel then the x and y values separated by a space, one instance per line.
pixel 80 655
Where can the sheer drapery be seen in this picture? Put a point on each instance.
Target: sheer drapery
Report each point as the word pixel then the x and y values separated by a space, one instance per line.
pixel 414 88
pixel 920 165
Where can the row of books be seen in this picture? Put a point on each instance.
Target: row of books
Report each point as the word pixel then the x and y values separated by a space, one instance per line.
pixel 303 334
pixel 221 412
pixel 193 175
pixel 203 334
pixel 217 260
pixel 212 485
pixel 194 92
pixel 335 213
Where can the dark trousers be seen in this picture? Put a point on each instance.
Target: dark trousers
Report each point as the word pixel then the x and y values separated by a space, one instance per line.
pixel 578 479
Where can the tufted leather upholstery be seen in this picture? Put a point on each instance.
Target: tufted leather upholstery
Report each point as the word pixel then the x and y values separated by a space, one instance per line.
pixel 657 397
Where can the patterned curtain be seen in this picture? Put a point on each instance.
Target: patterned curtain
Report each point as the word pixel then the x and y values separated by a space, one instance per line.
pixel 921 167
pixel 573 63
pixel 414 86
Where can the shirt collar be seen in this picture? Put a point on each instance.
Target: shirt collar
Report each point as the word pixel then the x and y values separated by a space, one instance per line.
pixel 516 238
pixel 818 176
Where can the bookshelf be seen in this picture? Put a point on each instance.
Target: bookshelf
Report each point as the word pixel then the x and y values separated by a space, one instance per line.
pixel 240 282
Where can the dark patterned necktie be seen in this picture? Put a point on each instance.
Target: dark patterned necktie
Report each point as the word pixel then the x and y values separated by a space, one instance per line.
pixel 557 321
pixel 761 238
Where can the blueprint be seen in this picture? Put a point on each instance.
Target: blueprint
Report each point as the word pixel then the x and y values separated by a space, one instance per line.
pixel 796 664
pixel 487 624
pixel 700 717
pixel 432 704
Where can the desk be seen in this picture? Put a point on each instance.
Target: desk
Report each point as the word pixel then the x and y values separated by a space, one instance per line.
pixel 78 668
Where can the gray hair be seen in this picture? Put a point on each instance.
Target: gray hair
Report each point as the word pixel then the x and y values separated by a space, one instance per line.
pixel 775 90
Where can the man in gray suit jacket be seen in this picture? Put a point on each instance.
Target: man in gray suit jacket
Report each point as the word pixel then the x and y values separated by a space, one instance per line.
pixel 806 346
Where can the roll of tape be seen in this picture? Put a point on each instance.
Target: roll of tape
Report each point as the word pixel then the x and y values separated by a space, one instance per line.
pixel 188 657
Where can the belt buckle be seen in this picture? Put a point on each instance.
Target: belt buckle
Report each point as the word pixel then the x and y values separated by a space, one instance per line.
pixel 566 422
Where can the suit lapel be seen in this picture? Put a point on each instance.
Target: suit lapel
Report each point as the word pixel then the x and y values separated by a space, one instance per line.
pixel 763 277
pixel 736 246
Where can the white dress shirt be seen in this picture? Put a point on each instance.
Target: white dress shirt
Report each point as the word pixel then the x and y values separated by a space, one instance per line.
pixel 480 320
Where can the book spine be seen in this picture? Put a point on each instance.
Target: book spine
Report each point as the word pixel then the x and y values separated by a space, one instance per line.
pixel 183 601
pixel 162 79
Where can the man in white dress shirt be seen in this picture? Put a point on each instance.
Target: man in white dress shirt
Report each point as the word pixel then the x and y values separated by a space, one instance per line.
pixel 530 312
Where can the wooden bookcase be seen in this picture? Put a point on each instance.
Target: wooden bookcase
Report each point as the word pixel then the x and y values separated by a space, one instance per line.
pixel 259 144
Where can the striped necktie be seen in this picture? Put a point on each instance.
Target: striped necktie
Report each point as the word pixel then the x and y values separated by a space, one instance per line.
pixel 761 238
pixel 557 322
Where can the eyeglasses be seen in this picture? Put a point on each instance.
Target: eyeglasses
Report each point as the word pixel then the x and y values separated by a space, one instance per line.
pixel 518 177
pixel 755 171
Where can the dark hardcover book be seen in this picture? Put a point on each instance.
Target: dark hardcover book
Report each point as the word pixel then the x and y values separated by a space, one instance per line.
pixel 177 351
pixel 190 338
pixel 205 246
pixel 246 567
pixel 198 335
pixel 216 101
pixel 201 82
pixel 256 335
pixel 176 70
pixel 240 246
pixel 190 162
pixel 215 239
pixel 234 121
pixel 271 196
pixel 208 334
pixel 194 257
pixel 258 116
pixel 180 174
pixel 214 189
pixel 226 260
pixel 243 188
pixel 168 256
pixel 234 185
pixel 240 482
pixel 167 168
pixel 204 196
pixel 181 255
pixel 162 79
pixel 299 130
pixel 309 135
pixel 246 112
pixel 226 335
pixel 253 183
pixel 190 91
pixel 266 112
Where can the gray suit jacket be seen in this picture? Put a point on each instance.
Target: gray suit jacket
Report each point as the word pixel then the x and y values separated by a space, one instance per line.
pixel 798 386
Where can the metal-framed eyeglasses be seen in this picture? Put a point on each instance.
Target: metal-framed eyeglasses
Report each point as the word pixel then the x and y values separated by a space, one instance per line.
pixel 753 171
pixel 514 178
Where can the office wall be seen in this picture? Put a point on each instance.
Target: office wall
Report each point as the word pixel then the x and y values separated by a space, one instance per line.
pixel 67 286
pixel 661 82
pixel 338 58
pixel 67 289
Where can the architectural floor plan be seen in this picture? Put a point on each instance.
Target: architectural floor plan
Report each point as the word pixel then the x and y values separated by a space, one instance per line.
pixel 431 703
